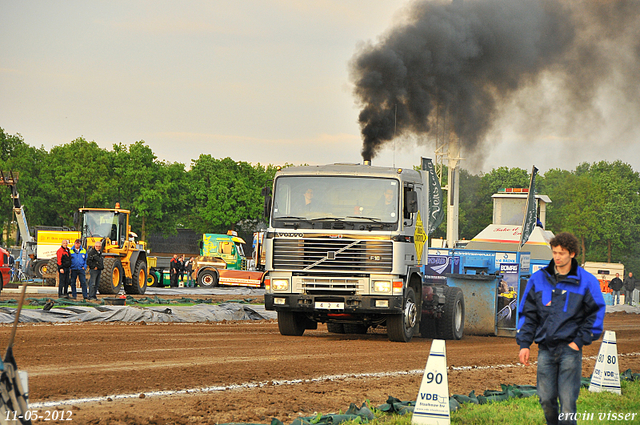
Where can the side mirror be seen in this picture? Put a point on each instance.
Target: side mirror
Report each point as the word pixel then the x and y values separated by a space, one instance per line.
pixel 267 206
pixel 411 201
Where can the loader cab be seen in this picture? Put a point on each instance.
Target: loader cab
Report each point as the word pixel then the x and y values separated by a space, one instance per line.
pixel 105 224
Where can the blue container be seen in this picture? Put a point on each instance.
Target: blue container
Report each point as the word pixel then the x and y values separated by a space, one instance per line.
pixel 608 298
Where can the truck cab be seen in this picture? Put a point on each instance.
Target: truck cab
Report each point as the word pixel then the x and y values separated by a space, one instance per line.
pixel 345 246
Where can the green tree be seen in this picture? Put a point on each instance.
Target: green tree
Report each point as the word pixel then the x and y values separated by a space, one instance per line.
pixel 226 193
pixel 81 173
pixel 619 201
pixel 34 187
pixel 152 190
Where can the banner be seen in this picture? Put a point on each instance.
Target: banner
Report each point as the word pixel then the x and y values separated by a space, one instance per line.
pixel 531 211
pixel 436 210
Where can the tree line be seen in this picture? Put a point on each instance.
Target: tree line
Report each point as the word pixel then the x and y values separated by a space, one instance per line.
pixel 599 202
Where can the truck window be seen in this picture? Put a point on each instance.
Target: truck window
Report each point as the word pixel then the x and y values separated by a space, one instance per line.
pixel 226 248
pixel 344 197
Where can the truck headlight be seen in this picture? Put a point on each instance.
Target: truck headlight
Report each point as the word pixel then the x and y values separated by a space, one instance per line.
pixel 279 284
pixel 382 286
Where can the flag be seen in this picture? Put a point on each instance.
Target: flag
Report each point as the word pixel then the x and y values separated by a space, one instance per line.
pixel 531 211
pixel 436 210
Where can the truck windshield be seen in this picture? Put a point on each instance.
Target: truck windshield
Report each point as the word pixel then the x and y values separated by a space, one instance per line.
pixel 102 224
pixel 338 198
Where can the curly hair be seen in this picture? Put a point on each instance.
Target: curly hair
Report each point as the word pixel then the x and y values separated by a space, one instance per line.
pixel 565 240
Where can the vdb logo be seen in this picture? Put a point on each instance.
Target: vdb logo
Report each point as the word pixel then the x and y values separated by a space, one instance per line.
pixel 425 396
pixel 431 397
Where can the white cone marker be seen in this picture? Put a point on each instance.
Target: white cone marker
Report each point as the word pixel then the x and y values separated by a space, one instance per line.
pixel 432 405
pixel 606 375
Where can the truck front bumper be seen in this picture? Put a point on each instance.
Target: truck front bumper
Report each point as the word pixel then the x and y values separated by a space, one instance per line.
pixel 352 304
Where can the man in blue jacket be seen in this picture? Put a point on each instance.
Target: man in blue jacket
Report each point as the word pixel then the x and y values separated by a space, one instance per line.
pixel 78 268
pixel 562 309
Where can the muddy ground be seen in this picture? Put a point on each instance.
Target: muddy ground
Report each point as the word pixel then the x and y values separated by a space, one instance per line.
pixel 247 372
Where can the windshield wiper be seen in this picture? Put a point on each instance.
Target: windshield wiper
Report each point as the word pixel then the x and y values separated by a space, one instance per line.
pixel 374 219
pixel 328 219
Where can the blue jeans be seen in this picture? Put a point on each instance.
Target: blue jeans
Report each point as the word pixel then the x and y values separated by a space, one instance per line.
pixel 83 282
pixel 616 297
pixel 559 377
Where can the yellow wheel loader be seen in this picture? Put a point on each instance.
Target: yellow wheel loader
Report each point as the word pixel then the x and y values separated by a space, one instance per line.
pixel 125 262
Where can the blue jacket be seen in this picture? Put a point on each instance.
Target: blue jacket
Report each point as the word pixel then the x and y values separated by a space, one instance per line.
pixel 78 258
pixel 570 311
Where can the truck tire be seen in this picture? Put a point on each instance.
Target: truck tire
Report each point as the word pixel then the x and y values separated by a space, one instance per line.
pixel 138 279
pixel 152 279
pixel 111 277
pixel 40 268
pixel 208 279
pixel 335 328
pixel 401 327
pixel 291 324
pixel 355 328
pixel 451 324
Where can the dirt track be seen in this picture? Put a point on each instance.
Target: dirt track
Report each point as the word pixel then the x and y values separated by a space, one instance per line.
pixel 71 362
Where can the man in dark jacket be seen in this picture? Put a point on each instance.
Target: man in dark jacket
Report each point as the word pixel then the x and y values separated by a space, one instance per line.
pixel 615 285
pixel 629 286
pixel 174 269
pixel 95 263
pixel 562 309
pixel 64 269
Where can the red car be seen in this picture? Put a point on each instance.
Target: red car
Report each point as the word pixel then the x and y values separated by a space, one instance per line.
pixel 5 269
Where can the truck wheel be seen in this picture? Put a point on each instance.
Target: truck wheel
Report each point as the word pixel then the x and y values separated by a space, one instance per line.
pixel 152 279
pixel 355 328
pixel 40 268
pixel 111 277
pixel 451 324
pixel 293 324
pixel 401 327
pixel 139 279
pixel 335 328
pixel 208 279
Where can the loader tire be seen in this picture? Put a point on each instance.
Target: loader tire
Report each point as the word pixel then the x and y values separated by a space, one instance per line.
pixel 112 276
pixel 51 272
pixel 139 279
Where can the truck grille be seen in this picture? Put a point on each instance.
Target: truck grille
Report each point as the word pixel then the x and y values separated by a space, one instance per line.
pixel 336 255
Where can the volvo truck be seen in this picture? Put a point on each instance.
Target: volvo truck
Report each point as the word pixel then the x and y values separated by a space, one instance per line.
pixel 346 246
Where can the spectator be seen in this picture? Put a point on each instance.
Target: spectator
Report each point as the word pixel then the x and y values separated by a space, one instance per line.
pixel 95 263
pixel 174 269
pixel 562 309
pixel 182 267
pixel 64 269
pixel 615 285
pixel 78 269
pixel 629 286
pixel 189 269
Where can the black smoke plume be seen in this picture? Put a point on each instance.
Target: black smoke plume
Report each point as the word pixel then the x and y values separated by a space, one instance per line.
pixel 470 60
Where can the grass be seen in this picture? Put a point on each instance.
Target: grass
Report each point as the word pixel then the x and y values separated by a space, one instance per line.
pixel 599 406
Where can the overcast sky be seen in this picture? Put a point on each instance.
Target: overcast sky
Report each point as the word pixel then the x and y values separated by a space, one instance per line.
pixel 255 80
